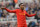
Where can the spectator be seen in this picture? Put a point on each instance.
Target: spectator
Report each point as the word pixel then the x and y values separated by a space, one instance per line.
pixel 0 25
pixel 13 3
pixel 3 25
pixel 36 25
pixel 0 12
pixel 38 15
pixel 6 25
pixel 26 7
pixel 31 24
pixel 10 26
pixel 7 5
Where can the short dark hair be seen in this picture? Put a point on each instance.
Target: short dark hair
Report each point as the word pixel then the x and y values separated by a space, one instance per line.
pixel 20 4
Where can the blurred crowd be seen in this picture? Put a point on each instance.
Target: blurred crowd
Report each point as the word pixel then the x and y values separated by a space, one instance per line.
pixel 13 24
pixel 30 7
pixel 7 24
pixel 33 24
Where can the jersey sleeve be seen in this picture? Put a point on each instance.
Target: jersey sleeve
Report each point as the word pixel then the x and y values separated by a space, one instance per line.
pixel 11 11
pixel 30 15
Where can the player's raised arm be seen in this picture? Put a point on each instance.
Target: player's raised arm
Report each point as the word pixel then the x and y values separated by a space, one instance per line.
pixel 11 11
pixel 30 15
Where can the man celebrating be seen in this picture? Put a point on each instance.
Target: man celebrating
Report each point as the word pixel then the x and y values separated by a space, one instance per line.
pixel 20 13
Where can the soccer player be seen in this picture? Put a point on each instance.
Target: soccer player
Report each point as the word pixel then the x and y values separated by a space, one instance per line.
pixel 20 13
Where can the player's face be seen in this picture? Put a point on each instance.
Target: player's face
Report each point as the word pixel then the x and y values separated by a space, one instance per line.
pixel 22 6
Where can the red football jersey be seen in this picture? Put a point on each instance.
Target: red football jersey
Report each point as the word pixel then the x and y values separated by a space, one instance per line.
pixel 21 20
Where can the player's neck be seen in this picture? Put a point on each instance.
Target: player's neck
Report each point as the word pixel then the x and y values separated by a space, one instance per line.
pixel 21 9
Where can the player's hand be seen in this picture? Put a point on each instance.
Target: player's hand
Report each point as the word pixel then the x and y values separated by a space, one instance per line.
pixel 3 8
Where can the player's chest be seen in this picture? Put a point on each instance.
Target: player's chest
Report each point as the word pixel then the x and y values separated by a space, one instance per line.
pixel 21 12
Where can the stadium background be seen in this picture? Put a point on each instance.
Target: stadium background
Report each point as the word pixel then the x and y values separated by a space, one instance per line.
pixel 10 20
